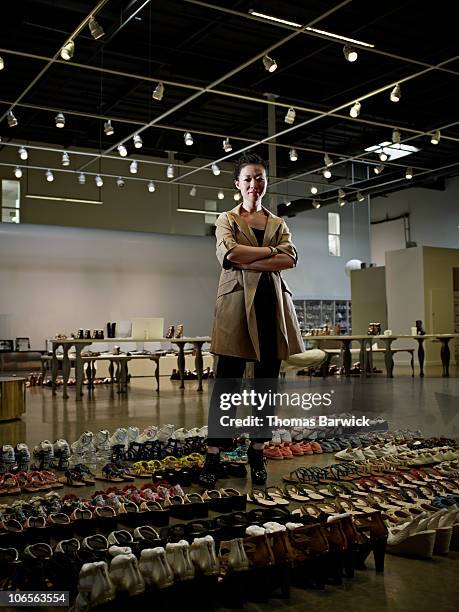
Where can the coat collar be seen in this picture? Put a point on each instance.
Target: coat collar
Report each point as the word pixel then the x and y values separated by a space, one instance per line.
pixel 272 224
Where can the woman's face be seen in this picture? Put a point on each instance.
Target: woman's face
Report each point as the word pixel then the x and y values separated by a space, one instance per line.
pixel 252 183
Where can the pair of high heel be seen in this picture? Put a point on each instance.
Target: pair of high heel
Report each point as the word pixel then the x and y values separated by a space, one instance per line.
pixel 173 332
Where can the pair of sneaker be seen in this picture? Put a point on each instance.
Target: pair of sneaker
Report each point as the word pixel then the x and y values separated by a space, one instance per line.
pixel 186 560
pixel 7 458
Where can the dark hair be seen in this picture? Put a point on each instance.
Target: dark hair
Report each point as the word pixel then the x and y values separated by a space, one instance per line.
pixel 247 159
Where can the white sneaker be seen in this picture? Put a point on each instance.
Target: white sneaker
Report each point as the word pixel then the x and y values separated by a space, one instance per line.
pixel 85 443
pixel 94 586
pixel 125 574
pixel 180 435
pixel 297 434
pixel 132 434
pixel 61 448
pixel 119 438
pixel 202 553
pixel 285 436
pixel 7 458
pixel 255 530
pixel 178 555
pixel 102 440
pixel 147 435
pixel 155 568
pixel 276 437
pixel 165 432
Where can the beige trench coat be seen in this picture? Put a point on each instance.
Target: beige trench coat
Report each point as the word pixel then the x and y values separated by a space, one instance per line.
pixel 235 325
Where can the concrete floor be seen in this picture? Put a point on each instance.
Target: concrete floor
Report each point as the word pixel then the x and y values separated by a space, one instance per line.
pixel 430 404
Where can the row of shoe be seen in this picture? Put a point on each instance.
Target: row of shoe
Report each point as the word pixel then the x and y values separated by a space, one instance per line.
pixel 414 455
pixel 192 375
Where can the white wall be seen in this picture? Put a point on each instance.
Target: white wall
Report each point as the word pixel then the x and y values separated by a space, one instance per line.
pixel 58 279
pixel 434 215
pixel 318 274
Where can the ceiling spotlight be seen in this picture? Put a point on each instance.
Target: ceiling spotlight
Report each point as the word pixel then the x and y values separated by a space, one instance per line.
pixel 355 110
pixel 193 191
pixel 60 120
pixel 49 176
pixel 409 173
pixel 215 169
pixel 269 64
pixel 316 204
pixel 396 138
pixel 396 94
pixel 360 196
pixel 188 139
pixel 68 50
pixel 290 116
pixel 350 53
pixel 82 178
pixel 342 202
pixel 120 182
pixel 435 139
pixel 227 146
pixel 326 173
pixel 108 128
pixel 158 91
pixel 237 196
pixel 133 167
pixel 220 195
pixel 122 150
pixel 137 141
pixel 293 155
pixel 170 171
pixel 341 194
pixel 12 121
pixel 378 169
pixel 151 187
pixel 383 156
pixel 328 160
pixel 65 159
pixel 95 29
pixel 17 172
pixel 23 153
pixel 314 190
pixel 99 180
pixel 2 63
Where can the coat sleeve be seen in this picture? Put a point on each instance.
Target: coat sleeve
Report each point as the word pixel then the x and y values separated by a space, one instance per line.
pixel 285 244
pixel 226 242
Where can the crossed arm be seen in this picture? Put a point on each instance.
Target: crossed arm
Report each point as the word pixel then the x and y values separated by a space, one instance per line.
pixel 259 259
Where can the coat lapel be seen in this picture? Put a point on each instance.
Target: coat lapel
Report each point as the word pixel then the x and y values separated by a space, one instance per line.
pixel 272 224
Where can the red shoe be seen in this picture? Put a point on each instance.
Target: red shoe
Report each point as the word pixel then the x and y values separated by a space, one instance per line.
pixel 273 452
pixel 317 449
pixel 296 449
pixel 286 452
pixel 306 448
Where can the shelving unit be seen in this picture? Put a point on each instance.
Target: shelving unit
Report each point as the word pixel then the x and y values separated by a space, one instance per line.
pixel 317 313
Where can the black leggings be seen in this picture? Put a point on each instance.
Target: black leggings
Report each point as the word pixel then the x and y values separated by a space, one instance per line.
pixel 233 367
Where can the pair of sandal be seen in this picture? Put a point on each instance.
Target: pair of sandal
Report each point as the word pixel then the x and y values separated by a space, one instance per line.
pixel 78 476
pixel 115 473
pixel 269 497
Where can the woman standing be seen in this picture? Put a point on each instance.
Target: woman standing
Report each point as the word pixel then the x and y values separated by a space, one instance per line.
pixel 254 315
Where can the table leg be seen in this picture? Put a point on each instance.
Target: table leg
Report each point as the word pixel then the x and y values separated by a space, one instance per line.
pixel 54 367
pixel 111 371
pixel 65 369
pixel 157 375
pixel 445 355
pixel 389 358
pixel 198 362
pixel 123 376
pixel 79 371
pixel 347 357
pixel 363 357
pixel 421 354
pixel 181 363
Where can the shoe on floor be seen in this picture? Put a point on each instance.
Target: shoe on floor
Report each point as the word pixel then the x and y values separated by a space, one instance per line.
pixel 273 452
pixel 257 465
pixel 126 576
pixel 203 556
pixel 210 470
pixel 94 586
pixel 178 555
pixel 155 568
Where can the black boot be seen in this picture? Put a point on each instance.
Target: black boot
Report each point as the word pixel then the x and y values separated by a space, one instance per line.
pixel 210 470
pixel 257 465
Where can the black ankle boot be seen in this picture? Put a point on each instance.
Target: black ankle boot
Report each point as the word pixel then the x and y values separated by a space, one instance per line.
pixel 210 470
pixel 257 465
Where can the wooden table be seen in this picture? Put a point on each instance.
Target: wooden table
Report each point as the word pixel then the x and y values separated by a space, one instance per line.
pixel 365 355
pixel 79 345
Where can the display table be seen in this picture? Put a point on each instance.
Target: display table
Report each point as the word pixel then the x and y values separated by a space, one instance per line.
pixel 12 397
pixel 365 354
pixel 79 359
